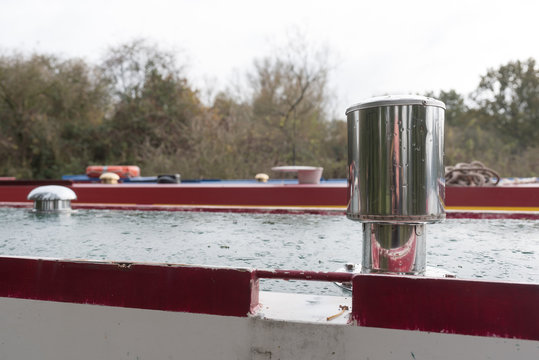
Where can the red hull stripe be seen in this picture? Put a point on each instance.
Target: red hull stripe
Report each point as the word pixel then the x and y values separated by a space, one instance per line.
pixel 229 292
pixel 266 195
pixel 185 194
pixel 453 306
pixel 492 196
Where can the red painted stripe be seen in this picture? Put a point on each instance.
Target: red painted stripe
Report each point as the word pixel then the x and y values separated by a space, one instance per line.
pixel 492 196
pixel 261 194
pixel 196 194
pixel 466 307
pixel 229 292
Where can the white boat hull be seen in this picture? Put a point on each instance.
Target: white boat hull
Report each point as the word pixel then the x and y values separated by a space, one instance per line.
pixel 47 330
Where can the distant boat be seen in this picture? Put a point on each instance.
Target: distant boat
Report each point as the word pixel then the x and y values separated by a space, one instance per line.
pixel 277 195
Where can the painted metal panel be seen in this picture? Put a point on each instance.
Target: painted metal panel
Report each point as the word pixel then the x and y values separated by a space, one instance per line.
pixel 264 194
pixel 231 292
pixel 492 196
pixel 467 307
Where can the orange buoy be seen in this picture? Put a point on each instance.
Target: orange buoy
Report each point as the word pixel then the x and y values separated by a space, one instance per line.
pixel 123 171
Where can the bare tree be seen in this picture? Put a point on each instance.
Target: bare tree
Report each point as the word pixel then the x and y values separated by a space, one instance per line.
pixel 290 98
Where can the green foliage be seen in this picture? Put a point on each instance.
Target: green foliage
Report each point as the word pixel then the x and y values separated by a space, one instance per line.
pixel 502 129
pixel 47 110
pixel 137 107
pixel 153 106
pixel 456 113
pixel 508 98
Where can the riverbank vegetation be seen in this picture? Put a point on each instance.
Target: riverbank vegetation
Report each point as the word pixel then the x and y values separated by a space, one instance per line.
pixel 137 106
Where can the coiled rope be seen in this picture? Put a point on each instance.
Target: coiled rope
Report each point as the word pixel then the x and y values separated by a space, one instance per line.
pixel 472 174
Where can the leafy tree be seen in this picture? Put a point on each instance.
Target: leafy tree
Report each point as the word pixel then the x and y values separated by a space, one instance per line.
pixel 154 103
pixel 289 99
pixel 509 101
pixel 48 106
pixel 498 130
pixel 456 113
pixel 58 115
pixel 334 152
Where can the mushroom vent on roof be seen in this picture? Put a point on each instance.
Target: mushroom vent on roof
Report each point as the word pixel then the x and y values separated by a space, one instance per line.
pixel 52 198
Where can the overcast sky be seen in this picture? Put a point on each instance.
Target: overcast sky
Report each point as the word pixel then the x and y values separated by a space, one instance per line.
pixel 377 47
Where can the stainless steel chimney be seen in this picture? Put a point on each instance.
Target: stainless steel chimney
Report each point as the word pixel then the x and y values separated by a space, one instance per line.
pixel 395 178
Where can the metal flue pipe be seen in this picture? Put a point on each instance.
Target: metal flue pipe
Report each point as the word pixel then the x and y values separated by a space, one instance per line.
pixel 396 179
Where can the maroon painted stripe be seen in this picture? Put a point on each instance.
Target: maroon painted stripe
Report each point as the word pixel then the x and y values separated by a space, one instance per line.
pixel 492 196
pixel 263 194
pixel 189 194
pixel 466 307
pixel 232 195
pixel 230 292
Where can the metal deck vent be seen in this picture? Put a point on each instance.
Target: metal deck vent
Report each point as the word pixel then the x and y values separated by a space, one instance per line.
pixel 52 198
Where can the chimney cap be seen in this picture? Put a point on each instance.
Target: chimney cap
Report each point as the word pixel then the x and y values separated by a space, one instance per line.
pixel 52 192
pixel 392 100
